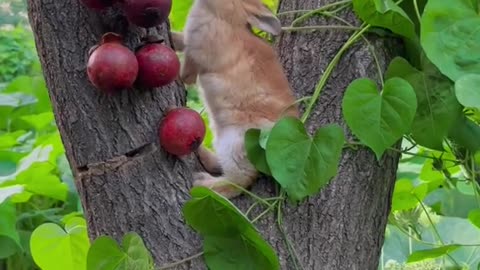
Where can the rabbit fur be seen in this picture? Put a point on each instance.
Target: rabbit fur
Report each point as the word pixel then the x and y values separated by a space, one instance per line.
pixel 241 81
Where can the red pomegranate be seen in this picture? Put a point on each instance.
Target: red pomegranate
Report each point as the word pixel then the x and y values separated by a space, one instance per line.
pixel 147 13
pixel 112 66
pixel 181 131
pixel 158 65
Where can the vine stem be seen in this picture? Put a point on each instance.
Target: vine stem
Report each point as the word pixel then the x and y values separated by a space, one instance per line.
pixel 318 10
pixel 295 103
pixel 410 242
pixel 329 70
pixel 417 10
pixel 288 12
pixel 264 212
pixel 254 196
pixel 289 245
pixel 437 234
pixel 473 179
pixel 169 266
pixel 319 27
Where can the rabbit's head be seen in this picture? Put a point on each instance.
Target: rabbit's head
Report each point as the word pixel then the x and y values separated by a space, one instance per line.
pixel 242 13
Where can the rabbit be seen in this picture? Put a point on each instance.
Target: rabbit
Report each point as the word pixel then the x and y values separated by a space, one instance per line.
pixel 241 81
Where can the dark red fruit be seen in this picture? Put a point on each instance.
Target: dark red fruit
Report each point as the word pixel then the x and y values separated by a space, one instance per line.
pixel 158 65
pixel 98 4
pixel 147 13
pixel 181 131
pixel 112 66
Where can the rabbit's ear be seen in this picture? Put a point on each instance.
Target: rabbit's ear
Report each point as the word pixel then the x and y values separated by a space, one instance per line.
pixel 261 17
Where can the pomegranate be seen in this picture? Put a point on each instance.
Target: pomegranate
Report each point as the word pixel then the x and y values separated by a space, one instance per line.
pixel 147 13
pixel 112 66
pixel 98 4
pixel 158 65
pixel 181 131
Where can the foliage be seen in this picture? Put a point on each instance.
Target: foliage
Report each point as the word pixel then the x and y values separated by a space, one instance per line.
pixel 230 239
pixel 429 97
pixel 390 112
pixel 12 12
pixel 17 53
pixel 106 254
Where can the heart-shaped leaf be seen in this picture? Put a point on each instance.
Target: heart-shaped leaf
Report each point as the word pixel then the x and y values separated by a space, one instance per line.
pixel 450 36
pixel 474 217
pixel 425 254
pixel 255 152
pixel 227 233
pixel 437 109
pixel 465 133
pixel 302 164
pixel 8 191
pixel 9 237
pixel 379 119
pixel 406 196
pixel 467 90
pixel 387 14
pixel 105 254
pixel 55 248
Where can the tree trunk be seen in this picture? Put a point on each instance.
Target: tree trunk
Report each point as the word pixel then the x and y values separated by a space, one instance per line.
pixel 125 181
pixel 128 183
pixel 343 227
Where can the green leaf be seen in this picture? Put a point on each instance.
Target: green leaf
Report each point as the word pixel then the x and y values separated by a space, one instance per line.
pixel 226 252
pixel 8 140
pixel 433 168
pixel 467 90
pixel 230 240
pixel 474 217
pixel 214 208
pixel 302 164
pixel 55 248
pixel 255 152
pixel 39 154
pixel 16 100
pixel 387 14
pixel 465 133
pixel 9 238
pixel 406 196
pixel 431 253
pixel 263 138
pixel 38 121
pixel 437 106
pixel 32 86
pixel 450 36
pixel 105 254
pixel 379 119
pixel 7 192
pixel 40 179
pixel 179 13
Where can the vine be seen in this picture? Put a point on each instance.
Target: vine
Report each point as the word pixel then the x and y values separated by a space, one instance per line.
pixel 420 105
pixel 428 98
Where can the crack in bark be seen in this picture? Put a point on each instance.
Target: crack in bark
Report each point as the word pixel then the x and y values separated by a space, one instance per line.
pixel 112 164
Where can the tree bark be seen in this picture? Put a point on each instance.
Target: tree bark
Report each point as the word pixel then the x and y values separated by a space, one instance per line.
pixel 128 183
pixel 125 181
pixel 343 227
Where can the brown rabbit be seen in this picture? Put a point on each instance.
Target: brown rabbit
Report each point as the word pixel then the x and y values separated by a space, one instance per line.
pixel 241 80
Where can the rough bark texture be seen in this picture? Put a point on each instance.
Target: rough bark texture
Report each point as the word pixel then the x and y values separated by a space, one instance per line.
pixel 343 227
pixel 127 183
